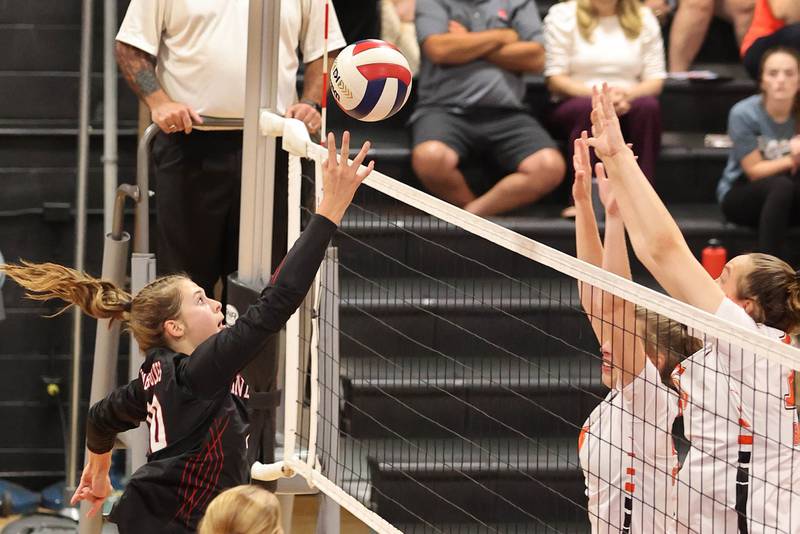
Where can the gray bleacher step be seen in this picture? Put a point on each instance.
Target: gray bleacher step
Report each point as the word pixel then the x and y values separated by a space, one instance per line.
pixel 27 331
pixel 486 480
pixel 446 396
pixel 409 317
pixel 28 12
pixel 33 145
pixel 687 170
pixel 21 379
pixel 26 188
pixel 34 467
pixel 54 95
pixel 364 242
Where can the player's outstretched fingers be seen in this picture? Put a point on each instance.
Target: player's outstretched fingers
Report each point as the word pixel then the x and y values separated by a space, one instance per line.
pixel 608 106
pixel 345 147
pixel 362 154
pixel 330 163
pixel 364 172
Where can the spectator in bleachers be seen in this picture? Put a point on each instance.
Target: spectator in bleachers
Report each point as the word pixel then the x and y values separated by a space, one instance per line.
pixel 618 42
pixel 759 187
pixel 775 23
pixel 397 27
pixel 691 22
pixel 185 59
pixel 470 106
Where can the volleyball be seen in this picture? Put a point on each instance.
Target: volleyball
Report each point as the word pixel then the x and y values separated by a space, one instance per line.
pixel 370 80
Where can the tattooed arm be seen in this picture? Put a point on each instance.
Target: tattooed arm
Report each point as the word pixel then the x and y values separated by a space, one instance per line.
pixel 139 69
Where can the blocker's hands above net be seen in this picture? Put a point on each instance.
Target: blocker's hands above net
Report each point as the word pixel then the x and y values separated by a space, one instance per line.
pixel 582 167
pixel 606 139
pixel 606 190
pixel 340 178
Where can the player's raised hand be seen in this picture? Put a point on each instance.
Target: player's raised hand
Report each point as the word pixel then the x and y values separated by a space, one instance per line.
pixel 95 485
pixel 340 178
pixel 582 169
pixel 607 139
pixel 606 190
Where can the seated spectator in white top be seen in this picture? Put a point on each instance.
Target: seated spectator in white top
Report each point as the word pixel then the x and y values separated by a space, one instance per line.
pixel 618 42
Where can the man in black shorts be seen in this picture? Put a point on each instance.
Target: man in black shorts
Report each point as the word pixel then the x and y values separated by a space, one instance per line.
pixel 470 107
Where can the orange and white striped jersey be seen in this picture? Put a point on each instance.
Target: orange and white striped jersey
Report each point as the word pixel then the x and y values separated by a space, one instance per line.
pixel 740 416
pixel 628 459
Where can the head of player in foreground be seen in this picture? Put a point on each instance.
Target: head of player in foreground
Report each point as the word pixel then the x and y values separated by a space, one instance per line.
pixel 245 509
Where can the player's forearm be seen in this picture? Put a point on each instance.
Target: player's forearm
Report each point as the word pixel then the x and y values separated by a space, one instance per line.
pixel 460 48
pixel 615 254
pixel 139 69
pixel 123 409
pixel 523 56
pixel 216 362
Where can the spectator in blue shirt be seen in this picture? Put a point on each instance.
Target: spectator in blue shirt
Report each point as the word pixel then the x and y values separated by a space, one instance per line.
pixel 760 186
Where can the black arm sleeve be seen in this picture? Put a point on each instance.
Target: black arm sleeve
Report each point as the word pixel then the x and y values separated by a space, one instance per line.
pixel 216 362
pixel 122 410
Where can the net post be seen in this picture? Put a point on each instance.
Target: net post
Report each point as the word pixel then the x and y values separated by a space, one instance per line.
pixel 329 516
pixel 292 361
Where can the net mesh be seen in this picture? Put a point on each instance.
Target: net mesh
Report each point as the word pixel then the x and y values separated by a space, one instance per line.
pixel 464 388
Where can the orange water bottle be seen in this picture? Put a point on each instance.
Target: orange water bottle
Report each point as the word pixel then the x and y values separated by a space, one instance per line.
pixel 714 258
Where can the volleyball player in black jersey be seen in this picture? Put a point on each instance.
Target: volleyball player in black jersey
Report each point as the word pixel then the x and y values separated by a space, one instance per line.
pixel 189 389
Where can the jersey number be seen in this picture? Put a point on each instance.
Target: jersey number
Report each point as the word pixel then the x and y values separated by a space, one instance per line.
pixel 155 420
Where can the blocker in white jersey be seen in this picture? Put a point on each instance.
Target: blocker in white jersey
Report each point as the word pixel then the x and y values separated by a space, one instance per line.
pixel 742 473
pixel 741 415
pixel 628 459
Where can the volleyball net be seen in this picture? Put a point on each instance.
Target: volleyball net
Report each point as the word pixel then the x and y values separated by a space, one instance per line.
pixel 452 380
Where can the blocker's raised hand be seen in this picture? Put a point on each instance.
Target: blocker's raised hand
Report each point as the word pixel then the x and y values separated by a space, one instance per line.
pixel 582 167
pixel 607 139
pixel 340 178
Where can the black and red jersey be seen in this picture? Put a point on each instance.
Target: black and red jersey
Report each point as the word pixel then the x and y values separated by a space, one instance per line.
pixel 195 406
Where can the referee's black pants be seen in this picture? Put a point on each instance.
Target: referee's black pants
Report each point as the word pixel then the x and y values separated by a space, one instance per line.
pixel 198 192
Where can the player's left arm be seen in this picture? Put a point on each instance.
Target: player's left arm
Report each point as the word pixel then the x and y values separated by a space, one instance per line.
pixel 527 54
pixel 123 409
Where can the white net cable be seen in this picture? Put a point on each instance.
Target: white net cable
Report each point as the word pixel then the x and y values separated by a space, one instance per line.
pixel 455 386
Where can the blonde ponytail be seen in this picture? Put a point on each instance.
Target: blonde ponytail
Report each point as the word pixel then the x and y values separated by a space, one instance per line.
pixel 47 281
pixel 144 315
